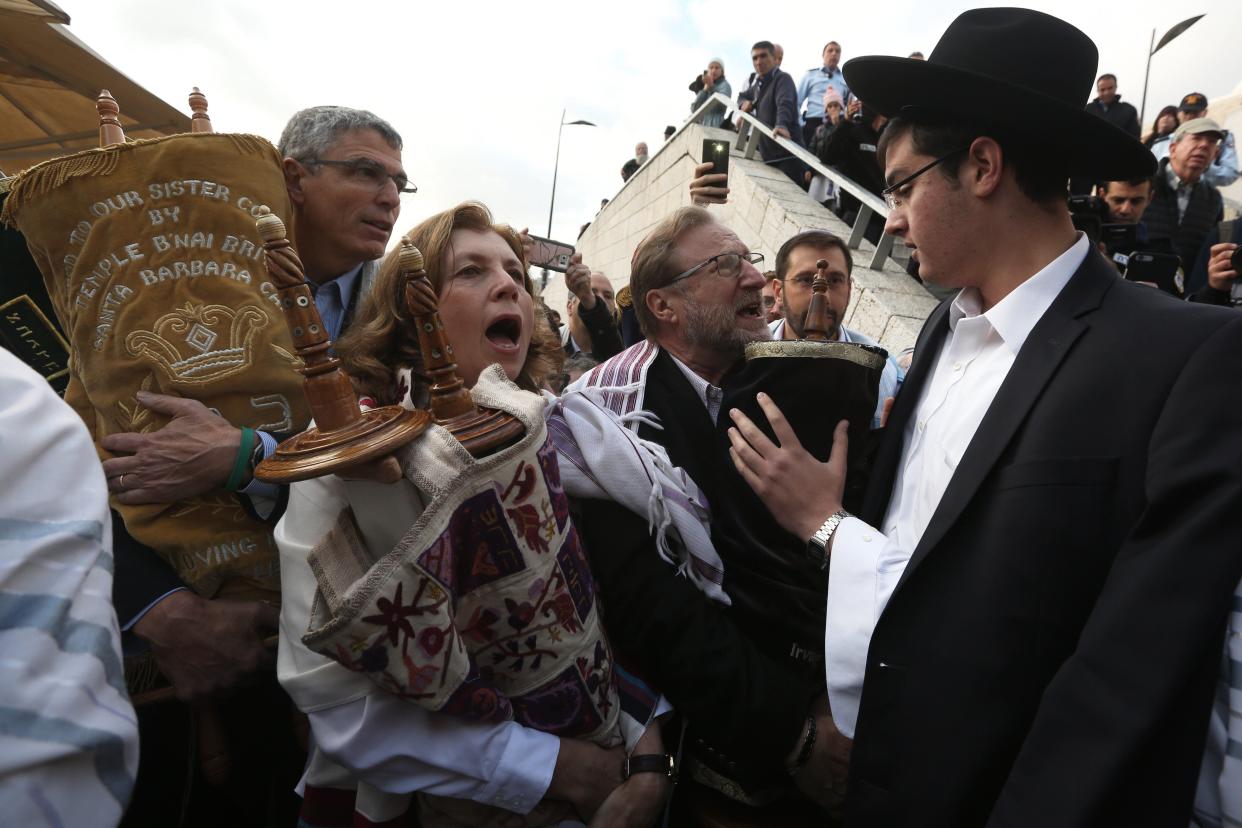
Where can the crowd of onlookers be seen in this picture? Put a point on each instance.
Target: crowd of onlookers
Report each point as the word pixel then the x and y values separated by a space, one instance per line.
pixel 1175 216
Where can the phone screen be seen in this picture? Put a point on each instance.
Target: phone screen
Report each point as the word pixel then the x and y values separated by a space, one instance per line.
pixel 718 153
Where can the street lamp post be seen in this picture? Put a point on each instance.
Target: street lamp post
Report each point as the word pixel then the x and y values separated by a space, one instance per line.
pixel 555 170
pixel 1154 47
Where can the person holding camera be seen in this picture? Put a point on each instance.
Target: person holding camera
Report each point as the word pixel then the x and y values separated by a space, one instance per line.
pixel 712 81
pixel 1220 263
pixel 592 309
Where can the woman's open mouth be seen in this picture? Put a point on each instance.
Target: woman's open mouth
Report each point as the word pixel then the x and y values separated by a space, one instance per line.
pixel 504 334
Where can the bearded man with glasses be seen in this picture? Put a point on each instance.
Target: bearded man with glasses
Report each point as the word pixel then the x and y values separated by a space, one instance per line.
pixel 745 691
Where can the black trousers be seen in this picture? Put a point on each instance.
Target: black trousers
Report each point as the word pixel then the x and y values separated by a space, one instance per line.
pixel 254 785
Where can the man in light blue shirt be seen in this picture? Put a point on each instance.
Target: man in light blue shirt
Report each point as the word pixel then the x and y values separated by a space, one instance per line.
pixel 795 271
pixel 344 174
pixel 814 84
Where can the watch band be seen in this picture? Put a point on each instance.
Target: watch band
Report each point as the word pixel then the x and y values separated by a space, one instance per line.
pixel 661 763
pixel 809 734
pixel 817 547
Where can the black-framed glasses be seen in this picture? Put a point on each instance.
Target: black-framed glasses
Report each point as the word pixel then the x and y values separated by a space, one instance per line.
pixel 836 281
pixel 366 173
pixel 728 265
pixel 895 199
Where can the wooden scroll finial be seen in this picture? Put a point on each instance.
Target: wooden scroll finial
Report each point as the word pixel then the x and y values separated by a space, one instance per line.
pixel 816 326
pixel 480 431
pixel 200 121
pixel 343 435
pixel 110 131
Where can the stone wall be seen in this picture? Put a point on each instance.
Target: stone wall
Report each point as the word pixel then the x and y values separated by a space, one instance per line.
pixel 765 208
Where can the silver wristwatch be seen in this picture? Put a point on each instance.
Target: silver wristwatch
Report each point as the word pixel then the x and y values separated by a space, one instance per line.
pixel 817 548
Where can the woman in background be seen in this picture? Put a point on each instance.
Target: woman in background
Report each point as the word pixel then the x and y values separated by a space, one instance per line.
pixel 709 83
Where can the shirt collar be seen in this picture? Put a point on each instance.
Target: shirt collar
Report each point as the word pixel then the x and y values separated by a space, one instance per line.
pixel 777 329
pixel 1014 316
pixel 700 385
pixel 829 72
pixel 1174 181
pixel 343 284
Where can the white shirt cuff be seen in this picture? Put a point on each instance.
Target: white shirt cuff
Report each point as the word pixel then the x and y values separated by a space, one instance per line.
pixel 398 747
pixel 524 772
pixel 851 616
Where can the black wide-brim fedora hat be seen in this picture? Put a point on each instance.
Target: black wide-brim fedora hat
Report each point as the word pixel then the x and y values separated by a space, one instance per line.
pixel 1019 70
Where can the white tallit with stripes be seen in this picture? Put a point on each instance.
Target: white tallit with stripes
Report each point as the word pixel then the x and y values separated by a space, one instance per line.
pixel 594 427
pixel 68 734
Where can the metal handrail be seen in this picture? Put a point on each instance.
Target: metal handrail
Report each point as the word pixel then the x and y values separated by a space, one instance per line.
pixel 749 128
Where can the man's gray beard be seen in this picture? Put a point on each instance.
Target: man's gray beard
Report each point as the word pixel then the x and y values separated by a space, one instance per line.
pixel 715 327
pixel 641 159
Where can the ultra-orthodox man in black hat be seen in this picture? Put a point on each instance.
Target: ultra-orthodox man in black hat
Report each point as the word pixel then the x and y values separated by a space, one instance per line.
pixel 1025 621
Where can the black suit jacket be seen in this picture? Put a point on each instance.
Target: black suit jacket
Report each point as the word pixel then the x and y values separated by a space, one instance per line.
pixel 1047 657
pixel 777 106
pixel 746 706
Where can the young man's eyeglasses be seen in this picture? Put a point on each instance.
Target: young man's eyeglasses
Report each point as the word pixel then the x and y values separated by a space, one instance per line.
pixel 895 196
pixel 836 281
pixel 728 265
pixel 366 173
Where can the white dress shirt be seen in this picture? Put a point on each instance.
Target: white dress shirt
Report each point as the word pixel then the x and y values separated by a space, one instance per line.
pixel 866 564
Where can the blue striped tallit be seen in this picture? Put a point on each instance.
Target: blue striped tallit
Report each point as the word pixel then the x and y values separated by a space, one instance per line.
pixel 68 734
pixel 1218 801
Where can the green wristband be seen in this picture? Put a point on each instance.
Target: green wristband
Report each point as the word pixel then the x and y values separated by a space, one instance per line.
pixel 241 461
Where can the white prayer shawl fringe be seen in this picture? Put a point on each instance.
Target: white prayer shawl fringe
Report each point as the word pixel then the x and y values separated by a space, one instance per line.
pixel 594 427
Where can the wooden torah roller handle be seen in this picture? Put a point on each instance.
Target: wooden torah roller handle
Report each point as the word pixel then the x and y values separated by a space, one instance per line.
pixel 343 434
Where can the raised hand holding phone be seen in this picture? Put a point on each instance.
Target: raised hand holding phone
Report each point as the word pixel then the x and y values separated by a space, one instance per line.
pixel 578 281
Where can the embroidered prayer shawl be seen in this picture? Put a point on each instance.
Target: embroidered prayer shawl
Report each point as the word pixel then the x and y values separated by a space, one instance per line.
pixel 594 427
pixel 486 608
pixel 152 262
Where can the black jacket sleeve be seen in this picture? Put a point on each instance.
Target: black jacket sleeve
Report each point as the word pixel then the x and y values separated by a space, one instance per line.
pixel 139 575
pixel 687 645
pixel 841 144
pixel 605 338
pixel 786 92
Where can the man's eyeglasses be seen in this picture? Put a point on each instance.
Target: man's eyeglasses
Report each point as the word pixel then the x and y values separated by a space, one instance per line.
pixel 806 280
pixel 728 265
pixel 366 173
pixel 895 195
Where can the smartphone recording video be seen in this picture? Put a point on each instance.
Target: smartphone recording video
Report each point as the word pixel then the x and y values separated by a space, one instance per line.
pixel 718 153
pixel 550 254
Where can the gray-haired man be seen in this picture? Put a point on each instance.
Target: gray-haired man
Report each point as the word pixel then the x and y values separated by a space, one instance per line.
pixel 344 174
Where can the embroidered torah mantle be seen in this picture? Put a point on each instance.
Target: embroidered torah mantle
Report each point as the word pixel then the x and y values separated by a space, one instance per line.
pixel 486 608
pixel 151 258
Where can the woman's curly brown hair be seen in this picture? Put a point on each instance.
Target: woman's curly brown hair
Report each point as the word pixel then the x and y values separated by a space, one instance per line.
pixel 382 339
